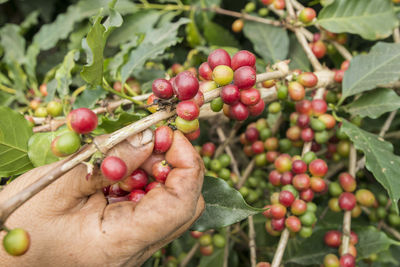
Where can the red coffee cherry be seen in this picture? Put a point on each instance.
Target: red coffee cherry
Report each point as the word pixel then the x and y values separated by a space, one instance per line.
pixel 243 58
pixel 299 166
pixel 199 99
pixel 115 190
pixel 307 135
pixel 244 77
pixel 333 238
pixel 347 182
pixel 208 149
pixel 205 71
pixel 307 195
pixel 152 185
pixel 275 178
pixel 328 120
pixel 317 184
pixel 113 168
pixel 339 74
pixel 185 85
pixel 187 110
pixel 347 201
pixel 345 65
pixel 137 180
pixel 271 156
pixel 219 57
pixel 163 137
pixel 257 109
pixel 318 167
pixel 193 135
pixel 298 207
pixel 196 234
pixel 304 107
pixel 347 260
pixel 278 224
pixel 353 238
pixel 250 96
pixel 82 120
pixel 252 134
pixel 239 111
pixel 293 224
pixel 257 147
pixel 318 48
pixel 303 120
pixel 230 94
pixel 296 91
pixel 207 250
pixel 301 181
pixel 160 171
pixel 162 89
pixel 283 163
pixel 307 15
pixel 136 195
pixel 278 211
pixel 308 79
pixel 286 177
pixel 319 107
pixel 286 198
pixel 279 4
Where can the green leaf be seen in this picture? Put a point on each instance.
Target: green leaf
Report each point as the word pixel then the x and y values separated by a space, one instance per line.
pixel 224 205
pixel 216 259
pixel 31 20
pixel 89 97
pixel 13 43
pixel 380 159
pixel 370 19
pixel 270 42
pixel 152 46
pixel 218 35
pixel 14 135
pixel 111 124
pixel 39 148
pixel 380 66
pixel 193 36
pixel 298 58
pixel 375 103
pixel 63 74
pixel 372 240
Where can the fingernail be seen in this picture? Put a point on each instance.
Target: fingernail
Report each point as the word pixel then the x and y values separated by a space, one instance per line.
pixel 141 139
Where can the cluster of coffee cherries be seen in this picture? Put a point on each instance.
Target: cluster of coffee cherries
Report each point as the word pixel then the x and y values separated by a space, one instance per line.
pixel 138 183
pixel 250 7
pixel 236 76
pixel 53 108
pixel 297 189
pixel 340 73
pixel 79 121
pixel 185 87
pixel 320 48
pixel 277 4
pixel 208 241
pixel 333 239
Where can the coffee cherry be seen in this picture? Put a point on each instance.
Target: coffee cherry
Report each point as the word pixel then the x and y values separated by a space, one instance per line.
pixel 205 71
pixel 308 218
pixel 339 74
pixel 215 165
pixel 307 15
pixel 318 48
pixel 187 110
pixel 307 135
pixel 152 103
pixel 299 166
pixel 347 260
pixel 267 2
pixel 115 190
pixel 185 85
pixel 353 238
pixel 278 224
pixel 307 195
pixel 250 96
pixel 252 134
pixel 216 104
pixel 243 58
pixel 274 107
pixel 163 137
pixel 304 107
pixel 16 242
pixel 317 184
pixel 286 178
pixel 218 240
pixel 291 189
pixel 296 91
pixel 263 12
pixel 41 112
pixel 136 195
pixel 205 240
pixel 82 120
pixel 219 57
pixel 113 168
pixel 347 201
pixel 347 182
pixel 245 77
pixel 162 88
pixel 65 144
pixel 207 86
pixel 152 185
pixel 303 120
pixel 307 79
pixel 319 107
pixel 237 25
pixel 275 178
pixel 317 125
pixel 394 220
pixel 186 126
pixel 298 207
pixel 206 250
pixel 208 149
pixel 268 228
pixel 230 94
pixel 196 234
pixel 293 224
pixel 301 181
pixel 333 204
pixel 345 65
pixel 278 211
pixel 311 207
pixel 258 147
pixel 283 163
pixel 309 157
pixel 54 108
pixel 239 111
pixel 365 197
pixel 279 4
pixel 318 168
pixel 160 171
pixel 137 180
pixel 286 198
pixel 257 109
pixel 328 120
pixel 222 75
pixel 331 260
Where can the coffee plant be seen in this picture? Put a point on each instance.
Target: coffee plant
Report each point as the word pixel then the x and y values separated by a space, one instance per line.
pixel 291 104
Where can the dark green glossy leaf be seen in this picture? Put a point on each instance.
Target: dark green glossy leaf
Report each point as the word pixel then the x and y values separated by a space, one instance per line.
pixel 111 124
pixel 224 205
pixel 89 97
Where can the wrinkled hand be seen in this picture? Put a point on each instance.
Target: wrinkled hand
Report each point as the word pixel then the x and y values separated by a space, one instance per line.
pixel 70 223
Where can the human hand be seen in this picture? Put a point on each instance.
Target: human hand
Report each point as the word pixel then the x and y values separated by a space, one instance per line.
pixel 71 224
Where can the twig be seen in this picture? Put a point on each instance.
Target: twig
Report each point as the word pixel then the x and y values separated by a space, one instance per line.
pixel 190 255
pixel 276 262
pixel 252 243
pixel 342 50
pixel 228 151
pixel 226 141
pixel 226 248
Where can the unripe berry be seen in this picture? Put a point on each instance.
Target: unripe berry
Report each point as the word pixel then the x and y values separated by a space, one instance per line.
pixel 293 133
pixel 205 240
pixel 185 85
pixel 328 120
pixel 331 260
pixel 113 168
pixel 219 57
pixel 16 242
pixel 163 137
pixel 205 71
pixel 54 108
pixel 283 163
pixel 222 75
pixel 218 240
pixel 186 126
pixel 245 77
pixel 308 218
pixel 207 86
pixel 162 88
pixel 152 103
pixel 82 120
pixel 41 112
pixel 296 91
pixel 243 58
pixel 307 15
pixel 365 197
pixel 347 182
pixel 333 204
pixel 237 25
pixel 279 4
pixel 65 144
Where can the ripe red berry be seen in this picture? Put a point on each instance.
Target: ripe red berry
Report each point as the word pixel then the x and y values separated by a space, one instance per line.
pixel 162 89
pixel 278 211
pixel 318 167
pixel 160 171
pixel 239 111
pixel 317 184
pixel 115 190
pixel 193 135
pixel 347 201
pixel 219 57
pixel 296 91
pixel 347 260
pixel 163 137
pixel 137 180
pixel 319 107
pixel 271 143
pixel 230 94
pixel 303 120
pixel 286 198
pixel 152 185
pixel 187 110
pixel 278 224
pixel 318 48
pixel 243 58
pixel 205 71
pixel 136 195
pixel 113 168
pixel 206 250
pixel 299 166
pixel 301 181
pixel 151 102
pixel 257 109
pixel 252 134
pixel 185 85
pixel 279 4
pixel 339 74
pixel 298 207
pixel 304 107
pixel 257 147
pixel 196 234
pixel 267 2
pixel 275 178
pixel 286 177
pixel 293 224
pixel 271 156
pixel 199 99
pixel 250 96
pixel 307 195
pixel 333 238
pixel 347 182
pixel 307 135
pixel 293 133
pixel 328 120
pixel 244 77
pixel 82 120
pixel 208 149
